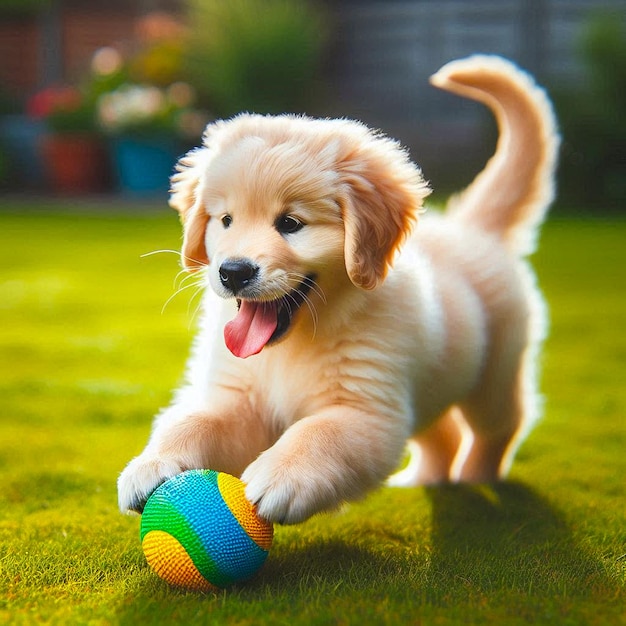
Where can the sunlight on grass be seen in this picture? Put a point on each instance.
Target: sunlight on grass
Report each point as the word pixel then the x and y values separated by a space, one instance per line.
pixel 88 358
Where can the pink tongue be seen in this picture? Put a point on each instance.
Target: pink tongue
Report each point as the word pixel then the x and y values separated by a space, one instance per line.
pixel 251 329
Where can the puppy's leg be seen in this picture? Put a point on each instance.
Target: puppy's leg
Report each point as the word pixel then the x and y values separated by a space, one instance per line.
pixel 323 460
pixel 225 438
pixel 498 410
pixel 433 452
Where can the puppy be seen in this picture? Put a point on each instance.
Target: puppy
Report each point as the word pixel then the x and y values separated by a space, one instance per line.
pixel 332 334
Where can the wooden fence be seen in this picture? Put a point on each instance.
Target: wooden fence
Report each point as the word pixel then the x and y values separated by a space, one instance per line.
pixel 386 50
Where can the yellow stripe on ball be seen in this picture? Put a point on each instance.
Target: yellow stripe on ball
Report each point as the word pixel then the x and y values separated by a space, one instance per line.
pixel 169 559
pixel 232 490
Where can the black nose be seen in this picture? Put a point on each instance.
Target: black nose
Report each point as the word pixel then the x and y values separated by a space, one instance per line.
pixel 235 274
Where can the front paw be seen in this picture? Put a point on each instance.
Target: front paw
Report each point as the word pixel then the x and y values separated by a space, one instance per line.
pixel 288 491
pixel 140 478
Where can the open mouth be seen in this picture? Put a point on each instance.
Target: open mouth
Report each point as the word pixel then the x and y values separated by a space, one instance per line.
pixel 259 323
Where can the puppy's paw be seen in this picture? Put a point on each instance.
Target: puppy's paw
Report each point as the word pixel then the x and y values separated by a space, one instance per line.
pixel 140 478
pixel 287 490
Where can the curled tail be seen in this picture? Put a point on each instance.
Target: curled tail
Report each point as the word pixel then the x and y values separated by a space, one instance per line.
pixel 513 192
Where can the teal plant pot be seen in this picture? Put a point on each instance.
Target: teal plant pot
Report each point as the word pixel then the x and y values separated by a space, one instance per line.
pixel 144 165
pixel 20 137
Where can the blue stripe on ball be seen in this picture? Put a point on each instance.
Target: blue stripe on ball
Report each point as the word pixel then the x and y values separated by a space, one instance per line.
pixel 228 544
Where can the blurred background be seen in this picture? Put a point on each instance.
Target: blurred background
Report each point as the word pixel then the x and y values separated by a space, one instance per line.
pixel 102 96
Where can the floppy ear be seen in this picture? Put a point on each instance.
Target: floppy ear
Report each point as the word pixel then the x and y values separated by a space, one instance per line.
pixel 383 193
pixel 184 197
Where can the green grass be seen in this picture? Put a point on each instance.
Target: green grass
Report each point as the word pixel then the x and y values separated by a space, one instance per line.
pixel 87 358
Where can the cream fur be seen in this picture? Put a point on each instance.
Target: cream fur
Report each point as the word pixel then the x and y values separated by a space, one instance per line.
pixel 430 337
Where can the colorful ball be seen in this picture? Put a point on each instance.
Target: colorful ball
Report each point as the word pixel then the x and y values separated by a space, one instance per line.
pixel 199 532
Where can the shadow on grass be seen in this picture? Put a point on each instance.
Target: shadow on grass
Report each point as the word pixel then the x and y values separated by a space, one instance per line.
pixel 501 548
pixel 328 565
pixel 506 539
pixel 313 584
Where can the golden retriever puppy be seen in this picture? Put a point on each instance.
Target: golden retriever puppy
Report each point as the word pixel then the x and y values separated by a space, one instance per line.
pixel 333 331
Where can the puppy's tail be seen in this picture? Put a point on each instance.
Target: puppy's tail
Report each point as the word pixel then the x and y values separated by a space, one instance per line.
pixel 513 192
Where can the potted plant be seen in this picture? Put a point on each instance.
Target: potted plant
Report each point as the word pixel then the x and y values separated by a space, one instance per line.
pixel 72 150
pixel 149 127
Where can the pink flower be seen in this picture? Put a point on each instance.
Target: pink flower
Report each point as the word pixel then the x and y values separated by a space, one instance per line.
pixel 54 100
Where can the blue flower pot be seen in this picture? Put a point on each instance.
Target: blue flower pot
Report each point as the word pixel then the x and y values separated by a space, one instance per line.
pixel 20 137
pixel 144 165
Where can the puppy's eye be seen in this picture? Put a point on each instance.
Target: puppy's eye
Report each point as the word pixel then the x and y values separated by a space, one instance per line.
pixel 227 220
pixel 287 225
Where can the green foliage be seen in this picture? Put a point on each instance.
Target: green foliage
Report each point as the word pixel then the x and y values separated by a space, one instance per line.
pixel 81 119
pixel 254 55
pixel 23 7
pixel 87 357
pixel 593 119
pixel 65 109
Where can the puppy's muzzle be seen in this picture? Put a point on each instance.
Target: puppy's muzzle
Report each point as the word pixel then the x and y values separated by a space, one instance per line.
pixel 237 274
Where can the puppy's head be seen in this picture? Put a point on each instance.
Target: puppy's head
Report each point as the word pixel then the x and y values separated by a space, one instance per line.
pixel 281 208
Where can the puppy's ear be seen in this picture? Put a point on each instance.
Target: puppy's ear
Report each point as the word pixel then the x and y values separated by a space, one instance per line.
pixel 185 198
pixel 383 193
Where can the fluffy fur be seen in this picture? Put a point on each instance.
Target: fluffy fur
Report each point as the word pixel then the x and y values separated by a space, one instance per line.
pixel 430 337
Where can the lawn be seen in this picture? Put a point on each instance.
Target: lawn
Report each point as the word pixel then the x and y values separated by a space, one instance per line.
pixel 88 356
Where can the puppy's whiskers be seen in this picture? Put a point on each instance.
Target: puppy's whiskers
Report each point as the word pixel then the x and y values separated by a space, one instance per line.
pixel 311 285
pixel 312 311
pixel 183 284
pixel 179 254
pixel 198 285
pixel 196 293
pixel 187 276
pixel 163 251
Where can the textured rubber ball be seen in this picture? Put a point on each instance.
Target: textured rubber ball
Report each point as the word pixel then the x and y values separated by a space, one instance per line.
pixel 199 532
